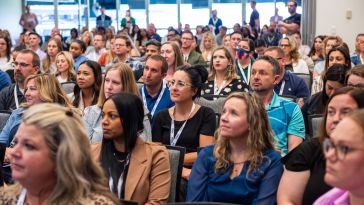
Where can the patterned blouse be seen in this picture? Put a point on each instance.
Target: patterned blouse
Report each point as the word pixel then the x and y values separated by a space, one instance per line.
pixel 235 85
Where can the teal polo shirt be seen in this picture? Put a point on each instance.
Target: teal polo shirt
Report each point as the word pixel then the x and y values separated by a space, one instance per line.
pixel 285 118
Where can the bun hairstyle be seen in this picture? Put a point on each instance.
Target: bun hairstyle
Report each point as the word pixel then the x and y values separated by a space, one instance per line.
pixel 198 76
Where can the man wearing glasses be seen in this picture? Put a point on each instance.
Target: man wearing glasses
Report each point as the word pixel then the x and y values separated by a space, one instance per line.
pixel 190 56
pixel 26 63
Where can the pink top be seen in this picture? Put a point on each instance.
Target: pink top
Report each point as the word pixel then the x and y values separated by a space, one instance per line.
pixel 335 196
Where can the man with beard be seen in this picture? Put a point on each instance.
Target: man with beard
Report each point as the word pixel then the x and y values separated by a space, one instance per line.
pixel 26 63
pixel 190 56
pixel 272 37
pixel 291 24
pixel 285 116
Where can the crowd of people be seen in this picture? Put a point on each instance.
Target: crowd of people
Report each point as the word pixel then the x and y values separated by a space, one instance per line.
pixel 137 94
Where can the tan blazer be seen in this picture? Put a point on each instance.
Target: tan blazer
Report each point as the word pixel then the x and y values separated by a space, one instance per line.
pixel 149 177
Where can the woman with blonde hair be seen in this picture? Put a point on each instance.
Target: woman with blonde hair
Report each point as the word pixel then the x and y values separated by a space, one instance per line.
pixel 65 67
pixel 172 53
pixel 47 135
pixel 223 78
pixel 118 78
pixel 88 38
pixel 294 61
pixel 208 45
pixel 38 89
pixel 242 167
pixel 54 46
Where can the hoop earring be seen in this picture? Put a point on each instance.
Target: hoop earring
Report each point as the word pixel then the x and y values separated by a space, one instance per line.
pixel 230 68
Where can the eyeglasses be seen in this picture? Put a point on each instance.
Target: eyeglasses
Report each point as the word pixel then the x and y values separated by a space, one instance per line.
pixel 340 150
pixel 285 45
pixel 23 65
pixel 180 84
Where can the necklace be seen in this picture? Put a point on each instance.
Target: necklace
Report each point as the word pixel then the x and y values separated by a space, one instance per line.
pixel 119 160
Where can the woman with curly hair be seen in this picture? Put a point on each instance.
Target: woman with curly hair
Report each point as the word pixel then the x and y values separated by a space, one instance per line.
pixel 242 167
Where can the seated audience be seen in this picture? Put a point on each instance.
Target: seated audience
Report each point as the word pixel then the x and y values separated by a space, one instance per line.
pixel 223 78
pixel 97 49
pixel 316 51
pixel 88 83
pixel 355 77
pixel 26 63
pixel 118 78
pixel 243 167
pixel 38 89
pixel 137 170
pixel 54 46
pixel 333 79
pixel 172 53
pixel 344 162
pixel 358 58
pixel 5 51
pixel 328 43
pixel 285 116
pixel 65 67
pixel 88 38
pixel 51 161
pixel 77 48
pixel 244 59
pixel 186 124
pixel 155 93
pixel 305 165
pixel 208 45
pixel 289 83
pixel 190 56
pixel 294 61
pixel 337 55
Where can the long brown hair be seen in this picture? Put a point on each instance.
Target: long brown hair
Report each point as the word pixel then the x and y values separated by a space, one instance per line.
pixel 260 136
pixel 128 82
pixel 230 73
pixel 356 94
pixel 47 61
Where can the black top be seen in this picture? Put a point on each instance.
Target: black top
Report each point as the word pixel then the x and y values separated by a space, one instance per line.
pixel 203 122
pixel 234 86
pixel 7 100
pixel 309 156
pixel 118 166
pixel 296 18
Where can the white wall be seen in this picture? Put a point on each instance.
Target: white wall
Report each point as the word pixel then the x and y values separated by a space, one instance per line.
pixel 10 13
pixel 331 19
